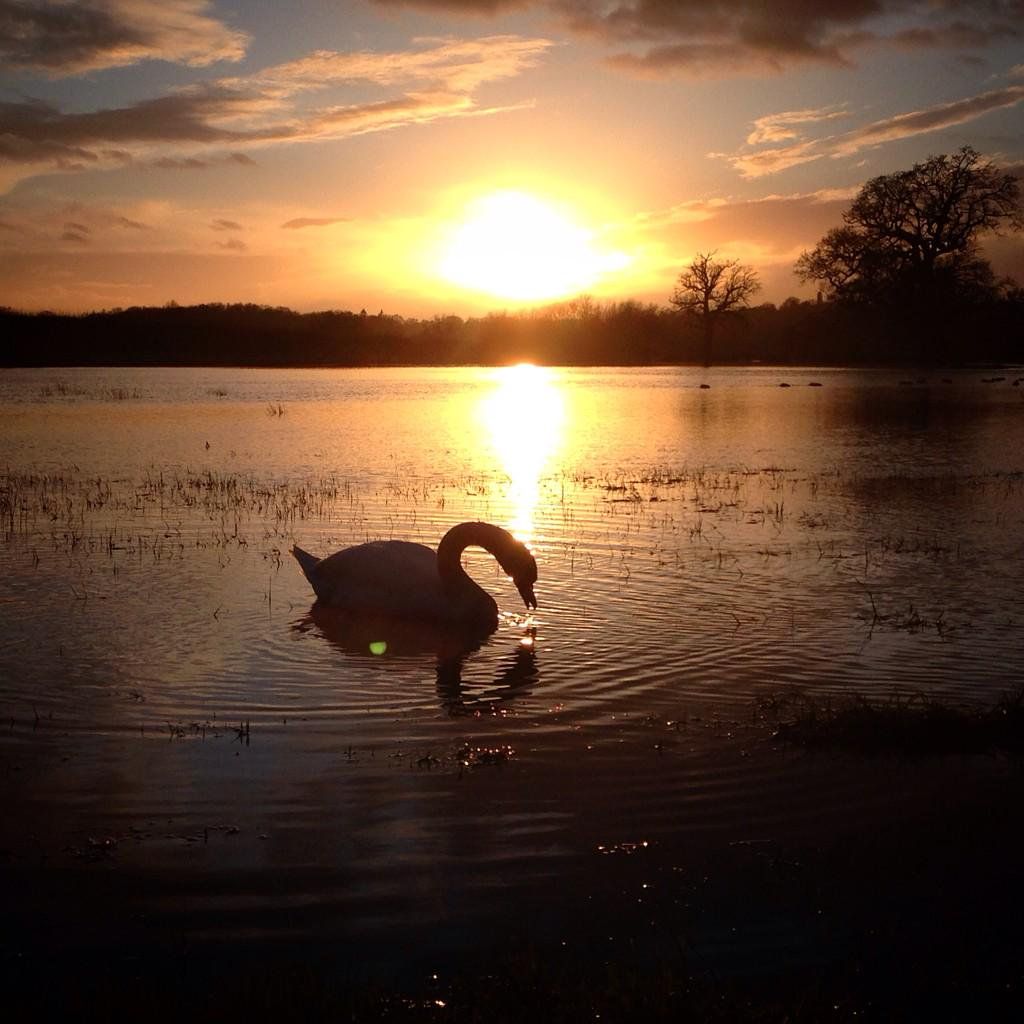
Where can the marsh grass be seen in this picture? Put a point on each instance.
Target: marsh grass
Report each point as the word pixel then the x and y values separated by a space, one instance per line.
pixel 62 389
pixel 644 528
pixel 914 725
pixel 72 512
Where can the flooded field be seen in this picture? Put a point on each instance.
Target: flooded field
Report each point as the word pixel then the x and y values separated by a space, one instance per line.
pixel 193 755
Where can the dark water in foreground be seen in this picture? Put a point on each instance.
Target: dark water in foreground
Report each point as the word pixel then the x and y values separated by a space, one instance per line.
pixel 189 758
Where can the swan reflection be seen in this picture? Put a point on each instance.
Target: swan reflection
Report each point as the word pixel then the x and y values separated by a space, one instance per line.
pixel 378 636
pixel 524 416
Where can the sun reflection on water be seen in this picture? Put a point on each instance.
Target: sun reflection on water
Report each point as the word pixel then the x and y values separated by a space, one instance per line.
pixel 524 415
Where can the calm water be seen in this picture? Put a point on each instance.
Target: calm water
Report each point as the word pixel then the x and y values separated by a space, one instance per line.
pixel 175 719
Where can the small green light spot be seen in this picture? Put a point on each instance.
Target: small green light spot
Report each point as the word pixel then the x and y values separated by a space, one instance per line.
pixel 378 647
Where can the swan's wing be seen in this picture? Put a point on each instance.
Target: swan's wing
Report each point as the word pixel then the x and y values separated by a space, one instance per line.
pixel 391 577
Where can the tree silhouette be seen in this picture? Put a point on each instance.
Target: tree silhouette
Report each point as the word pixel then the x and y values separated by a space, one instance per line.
pixel 709 289
pixel 911 238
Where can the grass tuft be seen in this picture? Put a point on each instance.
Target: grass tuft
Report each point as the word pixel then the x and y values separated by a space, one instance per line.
pixel 914 725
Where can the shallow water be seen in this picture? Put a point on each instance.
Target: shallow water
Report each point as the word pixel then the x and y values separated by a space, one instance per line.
pixel 173 711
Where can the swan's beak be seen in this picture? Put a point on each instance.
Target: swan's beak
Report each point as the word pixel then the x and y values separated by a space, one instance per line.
pixel 526 592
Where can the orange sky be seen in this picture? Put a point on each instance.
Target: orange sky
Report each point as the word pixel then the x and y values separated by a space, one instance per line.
pixel 433 157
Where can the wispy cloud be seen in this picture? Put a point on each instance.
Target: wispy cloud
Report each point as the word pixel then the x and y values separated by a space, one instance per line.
pixel 455 65
pixel 179 163
pixel 692 211
pixel 782 126
pixel 220 224
pixel 77 233
pixel 233 245
pixel 721 37
pixel 194 163
pixel 264 109
pixel 918 122
pixel 60 38
pixel 312 222
pixel 772 161
pixel 755 163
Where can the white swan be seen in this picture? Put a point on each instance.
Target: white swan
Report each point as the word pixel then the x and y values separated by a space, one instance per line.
pixel 406 580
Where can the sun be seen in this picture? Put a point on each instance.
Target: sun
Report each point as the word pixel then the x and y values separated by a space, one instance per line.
pixel 515 246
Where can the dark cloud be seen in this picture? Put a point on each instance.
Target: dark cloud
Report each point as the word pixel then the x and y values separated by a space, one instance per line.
pixel 234 245
pixel 62 38
pixel 220 224
pixel 133 225
pixel 715 37
pixel 74 236
pixel 32 131
pixel 240 158
pixel 313 222
pixel 78 229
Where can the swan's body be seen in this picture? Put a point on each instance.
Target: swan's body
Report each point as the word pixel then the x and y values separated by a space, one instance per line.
pixel 411 581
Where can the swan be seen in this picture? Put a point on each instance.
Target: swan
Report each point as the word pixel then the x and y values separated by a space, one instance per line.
pixel 406 580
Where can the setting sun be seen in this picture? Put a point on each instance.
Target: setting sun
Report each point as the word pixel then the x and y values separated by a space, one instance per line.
pixel 515 246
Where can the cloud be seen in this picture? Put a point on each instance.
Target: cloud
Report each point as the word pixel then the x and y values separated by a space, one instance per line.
pixel 78 229
pixel 233 244
pixel 757 163
pixel 264 109
pixel 918 122
pixel 60 38
pixel 692 211
pixel 220 224
pixel 75 236
pixel 781 126
pixel 193 163
pixel 313 222
pixel 772 161
pixel 175 163
pixel 703 38
pixel 133 225
pixel 34 131
pixel 455 65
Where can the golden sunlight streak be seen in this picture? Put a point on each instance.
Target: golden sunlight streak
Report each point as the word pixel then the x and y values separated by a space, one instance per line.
pixel 524 415
pixel 514 246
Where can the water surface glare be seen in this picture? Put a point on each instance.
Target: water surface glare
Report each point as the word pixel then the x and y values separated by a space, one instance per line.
pixel 171 708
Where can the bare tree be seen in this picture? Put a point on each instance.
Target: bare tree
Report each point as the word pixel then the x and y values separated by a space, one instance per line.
pixel 912 238
pixel 710 288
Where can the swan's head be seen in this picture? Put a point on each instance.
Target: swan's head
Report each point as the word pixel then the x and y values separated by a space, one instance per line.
pixel 519 563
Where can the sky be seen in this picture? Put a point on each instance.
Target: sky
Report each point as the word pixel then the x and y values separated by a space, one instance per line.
pixel 432 157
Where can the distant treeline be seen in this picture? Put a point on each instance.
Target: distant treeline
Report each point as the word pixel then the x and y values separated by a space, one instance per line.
pixel 580 332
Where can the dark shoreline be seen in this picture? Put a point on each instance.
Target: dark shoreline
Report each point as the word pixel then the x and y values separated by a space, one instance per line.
pixel 620 334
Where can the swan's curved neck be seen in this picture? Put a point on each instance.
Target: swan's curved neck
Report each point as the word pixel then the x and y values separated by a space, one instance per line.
pixel 449 552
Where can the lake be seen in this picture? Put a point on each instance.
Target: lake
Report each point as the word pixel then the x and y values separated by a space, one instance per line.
pixel 194 757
